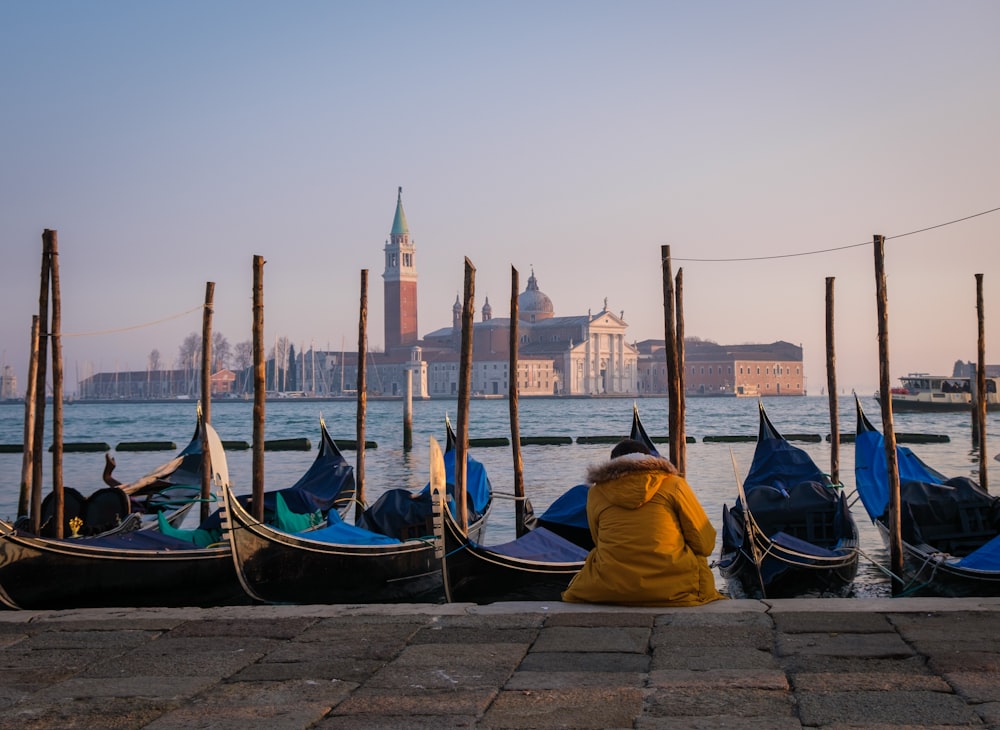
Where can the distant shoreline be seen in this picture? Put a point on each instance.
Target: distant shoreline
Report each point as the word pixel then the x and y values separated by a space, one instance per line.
pixel 350 399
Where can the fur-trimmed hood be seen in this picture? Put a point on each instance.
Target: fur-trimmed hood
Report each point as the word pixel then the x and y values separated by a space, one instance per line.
pixel 632 480
pixel 628 465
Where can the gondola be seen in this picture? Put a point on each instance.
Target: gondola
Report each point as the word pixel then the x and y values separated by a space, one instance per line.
pixel 390 556
pixel 538 565
pixel 950 528
pixel 166 493
pixel 136 568
pixel 166 567
pixel 790 532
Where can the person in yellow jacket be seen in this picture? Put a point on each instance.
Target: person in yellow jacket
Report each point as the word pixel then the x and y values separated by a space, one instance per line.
pixel 652 537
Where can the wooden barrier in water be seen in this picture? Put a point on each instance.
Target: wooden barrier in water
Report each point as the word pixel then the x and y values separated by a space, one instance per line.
pixel 352 444
pixel 83 446
pixel 487 442
pixel 546 440
pixel 905 438
pixel 299 444
pixel 813 438
pixel 146 446
pixel 616 439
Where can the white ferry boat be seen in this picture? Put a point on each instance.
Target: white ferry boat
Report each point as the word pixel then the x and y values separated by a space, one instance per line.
pixel 923 392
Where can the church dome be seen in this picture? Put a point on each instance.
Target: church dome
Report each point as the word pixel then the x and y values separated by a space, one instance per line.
pixel 532 304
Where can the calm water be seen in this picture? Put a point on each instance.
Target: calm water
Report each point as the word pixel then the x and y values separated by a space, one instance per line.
pixel 548 470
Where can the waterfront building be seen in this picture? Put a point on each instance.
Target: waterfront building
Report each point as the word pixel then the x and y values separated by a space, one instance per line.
pixel 711 369
pixel 8 383
pixel 576 355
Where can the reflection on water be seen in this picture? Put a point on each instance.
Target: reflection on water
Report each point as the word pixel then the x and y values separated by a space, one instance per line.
pixel 548 470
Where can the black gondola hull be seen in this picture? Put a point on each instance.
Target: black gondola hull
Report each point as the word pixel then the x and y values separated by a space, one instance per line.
pixel 279 567
pixel 928 572
pixel 475 574
pixel 788 573
pixel 40 573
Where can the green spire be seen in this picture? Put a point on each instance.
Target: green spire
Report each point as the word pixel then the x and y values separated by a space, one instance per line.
pixel 399 226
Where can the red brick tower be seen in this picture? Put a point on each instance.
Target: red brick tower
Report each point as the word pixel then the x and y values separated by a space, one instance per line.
pixel 400 284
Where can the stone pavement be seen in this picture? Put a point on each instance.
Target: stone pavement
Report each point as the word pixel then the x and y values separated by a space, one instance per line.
pixel 817 663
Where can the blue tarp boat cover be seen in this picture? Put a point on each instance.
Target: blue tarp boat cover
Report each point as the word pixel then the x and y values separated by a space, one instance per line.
pixel 871 473
pixel 135 540
pixel 542 545
pixel 985 558
pixel 779 464
pixel 338 532
pixel 397 509
pixel 570 508
pixel 791 542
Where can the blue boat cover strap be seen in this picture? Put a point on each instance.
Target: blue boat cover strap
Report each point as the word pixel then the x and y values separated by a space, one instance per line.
pixel 790 542
pixel 542 545
pixel 338 532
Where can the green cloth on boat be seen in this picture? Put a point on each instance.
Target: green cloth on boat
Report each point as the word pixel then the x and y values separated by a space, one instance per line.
pixel 198 536
pixel 288 521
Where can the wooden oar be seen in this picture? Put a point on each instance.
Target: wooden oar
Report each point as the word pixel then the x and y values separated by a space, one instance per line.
pixel 748 524
pixel 438 483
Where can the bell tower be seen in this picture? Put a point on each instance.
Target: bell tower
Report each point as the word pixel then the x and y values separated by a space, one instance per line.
pixel 400 283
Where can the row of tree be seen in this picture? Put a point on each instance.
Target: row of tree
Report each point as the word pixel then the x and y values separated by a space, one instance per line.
pixel 238 358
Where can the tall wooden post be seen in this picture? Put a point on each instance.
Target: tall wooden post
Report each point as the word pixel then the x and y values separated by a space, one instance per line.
pixel 982 396
pixel 206 397
pixel 681 463
pixel 259 389
pixel 512 394
pixel 27 457
pixel 831 386
pixel 408 409
pixel 38 438
pixel 464 395
pixel 59 501
pixel 362 395
pixel 889 433
pixel 670 342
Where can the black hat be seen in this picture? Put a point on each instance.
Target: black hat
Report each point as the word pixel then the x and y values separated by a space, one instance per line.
pixel 628 446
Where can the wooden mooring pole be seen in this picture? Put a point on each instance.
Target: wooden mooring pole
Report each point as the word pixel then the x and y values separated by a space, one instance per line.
pixel 259 390
pixel 681 395
pixel 38 437
pixel 362 398
pixel 674 427
pixel 59 499
pixel 464 395
pixel 515 423
pixel 24 498
pixel 408 409
pixel 206 398
pixel 981 395
pixel 889 433
pixel 831 385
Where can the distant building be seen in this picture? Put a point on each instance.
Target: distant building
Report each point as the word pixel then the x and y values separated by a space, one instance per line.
pixel 152 385
pixel 968 370
pixel 578 355
pixel 8 383
pixel 733 370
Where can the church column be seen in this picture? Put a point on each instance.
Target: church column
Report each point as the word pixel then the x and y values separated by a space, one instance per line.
pixel 585 388
pixel 597 364
pixel 617 345
pixel 612 365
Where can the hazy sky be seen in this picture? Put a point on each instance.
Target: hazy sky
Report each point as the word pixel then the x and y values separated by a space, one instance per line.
pixel 169 142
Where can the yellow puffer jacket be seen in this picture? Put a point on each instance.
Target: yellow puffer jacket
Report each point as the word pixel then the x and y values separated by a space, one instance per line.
pixel 652 538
